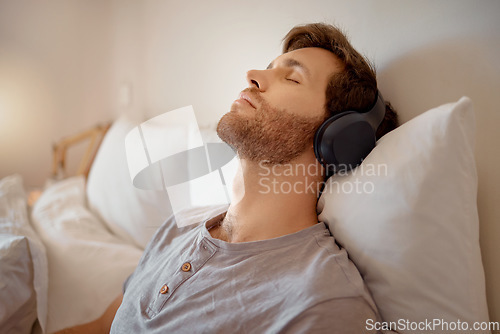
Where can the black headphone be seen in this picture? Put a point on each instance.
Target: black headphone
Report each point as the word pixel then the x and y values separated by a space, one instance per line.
pixel 344 140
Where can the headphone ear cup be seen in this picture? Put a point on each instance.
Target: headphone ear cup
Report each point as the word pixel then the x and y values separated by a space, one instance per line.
pixel 343 141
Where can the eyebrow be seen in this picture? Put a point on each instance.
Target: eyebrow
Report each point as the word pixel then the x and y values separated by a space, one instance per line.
pixel 289 62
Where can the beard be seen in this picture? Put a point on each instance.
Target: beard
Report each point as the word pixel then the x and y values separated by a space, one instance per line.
pixel 268 135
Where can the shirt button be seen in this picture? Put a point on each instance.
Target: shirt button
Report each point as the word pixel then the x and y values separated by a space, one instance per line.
pixel 186 267
pixel 164 289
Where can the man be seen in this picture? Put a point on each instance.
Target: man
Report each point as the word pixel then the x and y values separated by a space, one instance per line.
pixel 266 265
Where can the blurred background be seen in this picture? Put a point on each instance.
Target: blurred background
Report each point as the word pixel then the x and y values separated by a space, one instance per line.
pixel 66 65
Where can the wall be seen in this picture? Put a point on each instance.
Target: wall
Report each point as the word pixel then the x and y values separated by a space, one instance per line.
pixel 55 78
pixel 63 65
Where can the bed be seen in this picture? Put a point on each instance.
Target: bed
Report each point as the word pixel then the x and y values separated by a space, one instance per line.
pixel 71 249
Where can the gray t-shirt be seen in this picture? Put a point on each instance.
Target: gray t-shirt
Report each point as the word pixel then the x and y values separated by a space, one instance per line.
pixel 189 282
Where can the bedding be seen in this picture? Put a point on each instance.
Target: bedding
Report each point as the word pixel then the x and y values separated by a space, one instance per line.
pixel 23 263
pixel 132 214
pixel 87 264
pixel 413 229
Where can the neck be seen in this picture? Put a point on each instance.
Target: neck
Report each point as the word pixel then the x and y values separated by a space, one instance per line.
pixel 272 201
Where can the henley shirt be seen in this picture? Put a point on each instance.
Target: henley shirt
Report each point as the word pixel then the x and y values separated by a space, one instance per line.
pixel 189 282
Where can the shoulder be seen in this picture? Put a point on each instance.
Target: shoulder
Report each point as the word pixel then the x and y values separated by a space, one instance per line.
pixel 324 257
pixel 330 274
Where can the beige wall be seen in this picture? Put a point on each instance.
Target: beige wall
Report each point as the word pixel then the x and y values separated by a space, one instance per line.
pixel 64 63
pixel 55 77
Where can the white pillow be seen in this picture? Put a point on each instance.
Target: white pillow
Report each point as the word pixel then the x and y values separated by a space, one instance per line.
pixel 413 232
pixel 131 213
pixel 87 263
pixel 23 263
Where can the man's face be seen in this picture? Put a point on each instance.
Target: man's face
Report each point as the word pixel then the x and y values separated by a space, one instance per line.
pixel 275 118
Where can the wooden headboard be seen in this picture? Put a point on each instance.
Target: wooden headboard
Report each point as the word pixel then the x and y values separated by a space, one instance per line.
pixel 93 137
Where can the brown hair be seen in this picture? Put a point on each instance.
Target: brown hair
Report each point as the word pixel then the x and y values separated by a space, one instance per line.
pixel 355 87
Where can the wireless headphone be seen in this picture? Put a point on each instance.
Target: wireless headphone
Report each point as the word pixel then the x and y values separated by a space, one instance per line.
pixel 344 140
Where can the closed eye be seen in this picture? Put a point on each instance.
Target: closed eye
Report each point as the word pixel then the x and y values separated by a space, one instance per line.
pixel 292 80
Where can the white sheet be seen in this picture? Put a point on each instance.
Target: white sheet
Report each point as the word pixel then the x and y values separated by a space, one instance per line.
pixel 87 264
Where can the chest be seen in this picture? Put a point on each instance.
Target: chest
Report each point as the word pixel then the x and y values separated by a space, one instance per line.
pixel 200 283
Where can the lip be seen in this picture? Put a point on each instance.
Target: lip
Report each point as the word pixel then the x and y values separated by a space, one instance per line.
pixel 245 97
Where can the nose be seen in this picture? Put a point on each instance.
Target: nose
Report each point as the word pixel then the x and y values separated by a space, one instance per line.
pixel 257 79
